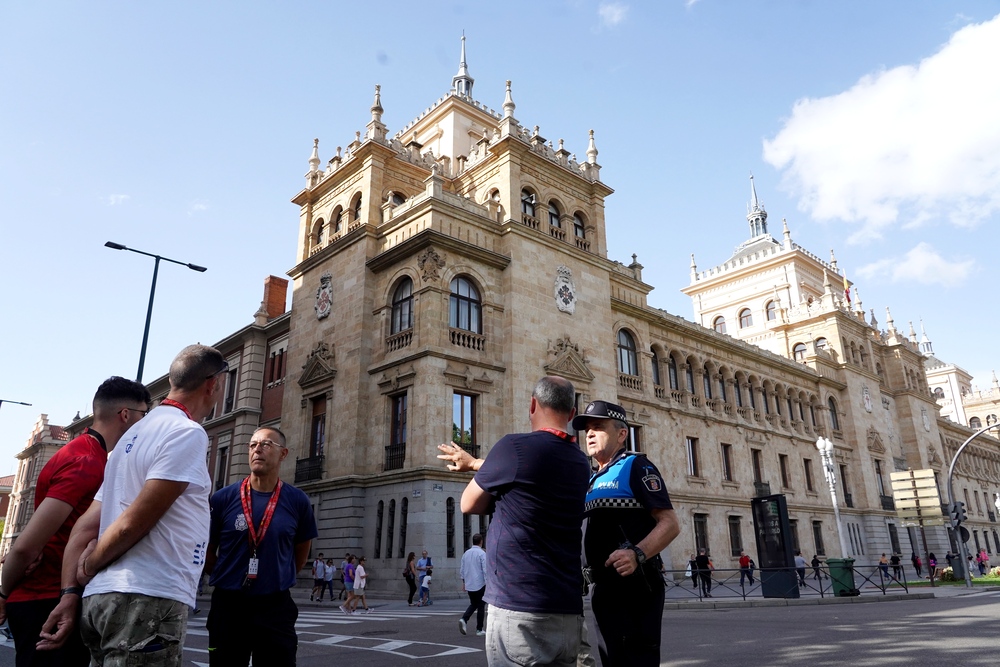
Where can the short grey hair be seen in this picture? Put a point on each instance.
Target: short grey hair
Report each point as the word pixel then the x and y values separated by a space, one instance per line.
pixel 556 393
pixel 193 366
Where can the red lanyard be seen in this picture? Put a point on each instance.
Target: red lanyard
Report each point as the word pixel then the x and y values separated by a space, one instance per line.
pixel 180 406
pixel 561 434
pixel 265 521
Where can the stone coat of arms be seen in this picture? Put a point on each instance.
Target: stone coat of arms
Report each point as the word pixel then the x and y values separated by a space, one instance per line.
pixel 324 296
pixel 565 291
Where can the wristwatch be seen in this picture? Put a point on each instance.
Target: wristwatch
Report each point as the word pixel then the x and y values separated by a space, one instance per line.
pixel 640 557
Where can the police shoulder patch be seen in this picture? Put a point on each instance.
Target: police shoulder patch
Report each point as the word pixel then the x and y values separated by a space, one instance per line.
pixel 653 483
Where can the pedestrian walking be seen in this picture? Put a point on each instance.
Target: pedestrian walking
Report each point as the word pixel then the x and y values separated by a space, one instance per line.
pixel 410 575
pixel 360 584
pixel 473 574
pixel 800 568
pixel 704 567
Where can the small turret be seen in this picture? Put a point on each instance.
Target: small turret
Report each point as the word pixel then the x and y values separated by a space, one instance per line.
pixel 462 82
pixel 508 103
pixel 756 215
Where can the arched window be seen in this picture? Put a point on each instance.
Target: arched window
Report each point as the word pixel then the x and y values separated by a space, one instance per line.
pixel 319 232
pixel 991 419
pixel 834 418
pixel 938 392
pixel 338 220
pixel 450 527
pixel 554 214
pixel 672 372
pixel 706 378
pixel 739 392
pixel 579 229
pixel 975 423
pixel 753 398
pixel 402 306
pixel 719 324
pixel 772 311
pixel 656 367
pixel 404 510
pixel 391 528
pixel 689 376
pixel 746 318
pixel 465 310
pixel 378 528
pixel 626 353
pixel 821 343
pixel 528 203
pixel 396 199
pixel 722 387
pixel 357 208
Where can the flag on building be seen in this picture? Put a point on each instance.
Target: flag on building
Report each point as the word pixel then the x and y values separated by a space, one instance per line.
pixel 847 289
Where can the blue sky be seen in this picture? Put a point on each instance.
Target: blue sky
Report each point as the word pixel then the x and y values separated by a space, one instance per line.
pixel 184 128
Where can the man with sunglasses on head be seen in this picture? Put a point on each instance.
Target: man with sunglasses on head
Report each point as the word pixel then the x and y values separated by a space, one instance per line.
pixel 65 489
pixel 140 548
pixel 260 536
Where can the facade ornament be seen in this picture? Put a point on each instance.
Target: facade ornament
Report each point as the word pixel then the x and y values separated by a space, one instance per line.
pixel 508 103
pixel 430 263
pixel 324 296
pixel 866 398
pixel 565 291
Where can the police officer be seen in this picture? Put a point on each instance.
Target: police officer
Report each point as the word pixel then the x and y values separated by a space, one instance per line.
pixel 629 521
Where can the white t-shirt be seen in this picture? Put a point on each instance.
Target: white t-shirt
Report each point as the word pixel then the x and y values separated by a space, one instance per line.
pixel 167 562
pixel 328 575
pixel 359 578
pixel 320 568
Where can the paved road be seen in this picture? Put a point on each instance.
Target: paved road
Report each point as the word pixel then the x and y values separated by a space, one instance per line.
pixel 956 628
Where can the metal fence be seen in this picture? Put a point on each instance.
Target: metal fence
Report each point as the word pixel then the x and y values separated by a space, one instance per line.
pixel 811 582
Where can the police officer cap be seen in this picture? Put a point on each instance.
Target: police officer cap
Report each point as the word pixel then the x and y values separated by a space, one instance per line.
pixel 599 410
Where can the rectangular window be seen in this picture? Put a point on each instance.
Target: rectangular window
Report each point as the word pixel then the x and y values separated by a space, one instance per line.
pixel 395 451
pixel 879 482
pixel 727 462
pixel 463 422
pixel 807 468
pixel 232 378
pixel 894 539
pixel 843 481
pixel 222 461
pixel 317 430
pixel 692 455
pixel 783 466
pixel 979 508
pixel 634 438
pixel 818 537
pixel 793 527
pixel 735 536
pixel 700 532
pixel 758 476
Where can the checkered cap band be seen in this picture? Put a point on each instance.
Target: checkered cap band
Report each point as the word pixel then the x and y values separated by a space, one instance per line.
pixel 613 503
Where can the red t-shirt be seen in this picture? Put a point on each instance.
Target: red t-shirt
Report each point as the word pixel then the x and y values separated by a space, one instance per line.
pixel 73 475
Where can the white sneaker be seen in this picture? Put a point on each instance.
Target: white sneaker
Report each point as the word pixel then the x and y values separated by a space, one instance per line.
pixel 480 633
pixel 462 626
pixel 344 609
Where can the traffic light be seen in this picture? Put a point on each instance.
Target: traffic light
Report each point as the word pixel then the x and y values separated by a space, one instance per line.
pixel 958 514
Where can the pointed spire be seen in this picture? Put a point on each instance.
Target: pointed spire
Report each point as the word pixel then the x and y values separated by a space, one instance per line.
pixel 756 215
pixel 833 259
pixel 860 307
pixel 889 323
pixel 925 342
pixel 786 234
pixel 873 321
pixel 314 158
pixel 592 150
pixel 996 385
pixel 508 103
pixel 462 82
pixel 377 104
pixel 913 333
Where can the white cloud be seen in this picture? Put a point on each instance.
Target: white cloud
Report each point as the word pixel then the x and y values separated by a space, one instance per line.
pixel 922 264
pixel 691 3
pixel 197 207
pixel 911 145
pixel 612 13
pixel 115 200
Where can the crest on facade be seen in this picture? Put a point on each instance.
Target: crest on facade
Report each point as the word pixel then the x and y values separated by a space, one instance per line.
pixel 468 379
pixel 396 378
pixel 875 441
pixel 565 291
pixel 430 263
pixel 324 296
pixel 925 418
pixel 866 398
pixel 569 361
pixel 318 367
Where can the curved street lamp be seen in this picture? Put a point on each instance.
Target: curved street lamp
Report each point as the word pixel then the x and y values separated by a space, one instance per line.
pixel 964 551
pixel 152 292
pixel 825 447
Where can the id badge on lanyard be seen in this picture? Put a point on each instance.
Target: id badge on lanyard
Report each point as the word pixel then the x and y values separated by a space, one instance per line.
pixel 256 535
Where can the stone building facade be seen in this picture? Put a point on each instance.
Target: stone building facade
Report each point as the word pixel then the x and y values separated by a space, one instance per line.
pixel 442 270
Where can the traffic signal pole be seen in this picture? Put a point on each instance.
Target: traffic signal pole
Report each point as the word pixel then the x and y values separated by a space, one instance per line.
pixel 955 522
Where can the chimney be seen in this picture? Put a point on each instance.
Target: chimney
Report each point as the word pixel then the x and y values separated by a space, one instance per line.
pixel 275 292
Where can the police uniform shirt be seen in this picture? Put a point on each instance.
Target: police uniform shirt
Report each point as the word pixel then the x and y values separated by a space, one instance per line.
pixel 619 503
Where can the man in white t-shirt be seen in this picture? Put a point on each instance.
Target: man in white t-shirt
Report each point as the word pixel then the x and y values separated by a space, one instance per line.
pixel 140 548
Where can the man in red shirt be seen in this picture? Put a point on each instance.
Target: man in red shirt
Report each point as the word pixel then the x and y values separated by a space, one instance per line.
pixel 65 489
pixel 745 570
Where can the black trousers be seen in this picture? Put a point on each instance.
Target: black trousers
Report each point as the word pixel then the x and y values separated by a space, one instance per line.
pixel 411 581
pixel 241 625
pixel 25 620
pixel 628 622
pixel 477 605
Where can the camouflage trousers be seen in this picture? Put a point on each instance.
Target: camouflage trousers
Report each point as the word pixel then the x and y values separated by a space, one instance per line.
pixel 123 629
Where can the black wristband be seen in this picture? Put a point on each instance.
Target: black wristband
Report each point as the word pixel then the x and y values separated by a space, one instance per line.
pixel 72 590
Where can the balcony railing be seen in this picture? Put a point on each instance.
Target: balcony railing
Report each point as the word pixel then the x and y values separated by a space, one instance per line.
pixel 395 455
pixel 887 503
pixel 399 341
pixel 468 339
pixel 660 391
pixel 761 489
pixel 848 500
pixel 582 244
pixel 529 221
pixel 307 470
pixel 557 232
pixel 630 381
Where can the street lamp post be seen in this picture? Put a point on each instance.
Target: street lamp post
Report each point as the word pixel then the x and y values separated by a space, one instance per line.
pixel 4 400
pixel 825 447
pixel 152 292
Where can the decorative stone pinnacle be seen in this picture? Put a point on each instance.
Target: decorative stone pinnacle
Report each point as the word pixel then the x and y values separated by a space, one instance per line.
pixel 508 103
pixel 592 150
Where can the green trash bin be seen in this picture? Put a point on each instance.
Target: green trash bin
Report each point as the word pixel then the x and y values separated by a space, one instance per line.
pixel 842 576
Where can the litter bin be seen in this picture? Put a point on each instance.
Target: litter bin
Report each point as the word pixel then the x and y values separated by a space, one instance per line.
pixel 842 576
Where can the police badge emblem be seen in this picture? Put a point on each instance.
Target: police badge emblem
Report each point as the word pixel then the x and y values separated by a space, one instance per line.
pixel 241 522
